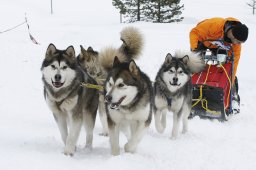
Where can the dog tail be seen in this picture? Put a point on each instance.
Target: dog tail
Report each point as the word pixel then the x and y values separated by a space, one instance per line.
pixel 194 61
pixel 130 49
pixel 107 56
pixel 132 42
pixel 160 121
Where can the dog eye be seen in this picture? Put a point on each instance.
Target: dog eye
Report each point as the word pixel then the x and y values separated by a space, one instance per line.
pixel 180 72
pixel 53 67
pixel 64 67
pixel 171 71
pixel 121 85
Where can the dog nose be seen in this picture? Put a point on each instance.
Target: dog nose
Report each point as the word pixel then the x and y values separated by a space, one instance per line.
pixel 57 77
pixel 175 79
pixel 108 98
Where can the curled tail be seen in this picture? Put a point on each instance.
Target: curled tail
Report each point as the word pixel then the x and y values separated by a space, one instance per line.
pixel 130 48
pixel 132 42
pixel 160 121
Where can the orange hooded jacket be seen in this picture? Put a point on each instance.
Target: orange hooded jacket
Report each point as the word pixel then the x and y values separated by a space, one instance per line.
pixel 214 29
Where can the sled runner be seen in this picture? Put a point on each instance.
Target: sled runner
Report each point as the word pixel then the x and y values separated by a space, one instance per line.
pixel 212 89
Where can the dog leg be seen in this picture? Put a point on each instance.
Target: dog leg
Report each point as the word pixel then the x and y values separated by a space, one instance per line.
pixel 126 129
pixel 185 121
pixel 89 123
pixel 74 130
pixel 114 139
pixel 185 124
pixel 62 125
pixel 160 120
pixel 136 137
pixel 175 126
pixel 103 118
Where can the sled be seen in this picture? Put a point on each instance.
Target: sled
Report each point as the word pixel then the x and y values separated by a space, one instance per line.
pixel 212 89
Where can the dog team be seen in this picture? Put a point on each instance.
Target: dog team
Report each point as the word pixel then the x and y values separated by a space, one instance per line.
pixel 129 99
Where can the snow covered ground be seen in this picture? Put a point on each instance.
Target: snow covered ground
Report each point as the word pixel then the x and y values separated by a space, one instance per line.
pixel 29 137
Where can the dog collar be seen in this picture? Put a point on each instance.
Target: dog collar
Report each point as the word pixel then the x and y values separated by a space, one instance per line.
pixel 169 101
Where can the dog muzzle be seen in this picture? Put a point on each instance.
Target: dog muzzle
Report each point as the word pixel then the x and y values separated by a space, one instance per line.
pixel 117 104
pixel 57 84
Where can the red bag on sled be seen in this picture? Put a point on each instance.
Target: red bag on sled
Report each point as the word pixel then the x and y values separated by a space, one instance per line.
pixel 215 82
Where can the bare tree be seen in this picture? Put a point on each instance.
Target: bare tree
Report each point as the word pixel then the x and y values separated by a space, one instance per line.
pixel 252 4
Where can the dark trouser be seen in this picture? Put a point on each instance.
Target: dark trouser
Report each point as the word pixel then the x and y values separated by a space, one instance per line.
pixel 235 91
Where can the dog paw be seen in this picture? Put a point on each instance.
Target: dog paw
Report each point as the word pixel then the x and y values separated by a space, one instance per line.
pixel 128 148
pixel 115 152
pixel 69 151
pixel 184 131
pixel 88 147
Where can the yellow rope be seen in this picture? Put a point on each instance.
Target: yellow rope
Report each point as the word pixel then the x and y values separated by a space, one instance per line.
pixel 230 84
pixel 93 86
pixel 206 107
pixel 204 102
pixel 201 87
pixel 200 96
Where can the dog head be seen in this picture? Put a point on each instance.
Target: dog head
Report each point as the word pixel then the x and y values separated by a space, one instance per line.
pixel 175 72
pixel 59 67
pixel 122 84
pixel 88 60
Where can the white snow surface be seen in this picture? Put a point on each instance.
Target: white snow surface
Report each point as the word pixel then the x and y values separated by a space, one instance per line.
pixel 29 136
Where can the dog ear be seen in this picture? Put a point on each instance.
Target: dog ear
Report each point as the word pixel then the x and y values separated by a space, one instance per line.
pixel 71 52
pixel 116 62
pixel 168 59
pixel 134 69
pixel 90 49
pixel 50 50
pixel 82 52
pixel 85 54
pixel 185 59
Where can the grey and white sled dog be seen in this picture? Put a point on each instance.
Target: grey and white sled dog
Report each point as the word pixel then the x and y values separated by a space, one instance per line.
pixel 128 92
pixel 89 61
pixel 98 64
pixel 173 89
pixel 71 104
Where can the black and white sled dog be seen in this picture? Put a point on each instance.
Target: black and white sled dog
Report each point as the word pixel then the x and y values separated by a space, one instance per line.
pixel 173 89
pixel 99 64
pixel 71 104
pixel 128 92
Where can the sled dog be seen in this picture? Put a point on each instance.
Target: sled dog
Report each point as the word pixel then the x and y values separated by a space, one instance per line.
pixel 89 61
pixel 98 64
pixel 71 104
pixel 128 95
pixel 128 92
pixel 173 89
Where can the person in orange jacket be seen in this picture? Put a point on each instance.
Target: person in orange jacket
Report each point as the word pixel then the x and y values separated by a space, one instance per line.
pixel 230 30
